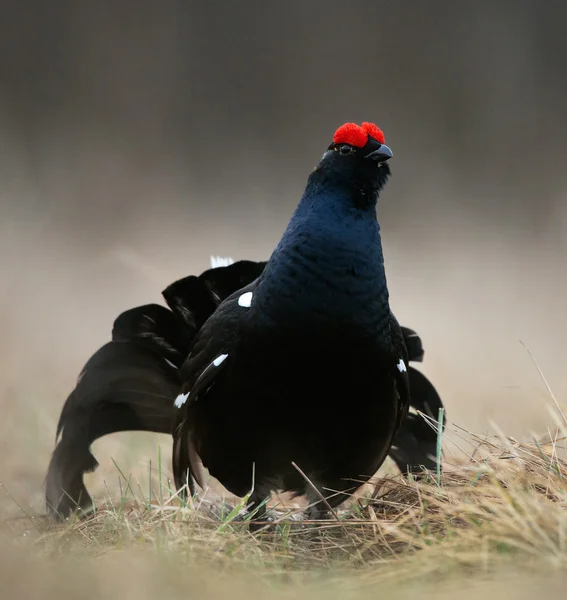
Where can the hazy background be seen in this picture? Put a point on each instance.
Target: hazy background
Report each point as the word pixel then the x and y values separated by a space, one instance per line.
pixel 138 139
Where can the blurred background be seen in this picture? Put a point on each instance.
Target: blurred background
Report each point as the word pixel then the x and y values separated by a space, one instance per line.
pixel 137 140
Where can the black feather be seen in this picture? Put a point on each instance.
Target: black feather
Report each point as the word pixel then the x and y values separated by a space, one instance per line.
pixel 130 385
pixel 316 369
pixel 131 382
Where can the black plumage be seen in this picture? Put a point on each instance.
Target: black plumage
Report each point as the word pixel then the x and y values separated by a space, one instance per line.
pixel 132 381
pixel 306 366
pixel 130 385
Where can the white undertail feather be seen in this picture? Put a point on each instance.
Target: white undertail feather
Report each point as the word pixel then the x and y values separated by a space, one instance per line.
pixel 220 261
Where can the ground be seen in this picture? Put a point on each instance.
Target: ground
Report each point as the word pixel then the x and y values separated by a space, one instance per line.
pixel 493 522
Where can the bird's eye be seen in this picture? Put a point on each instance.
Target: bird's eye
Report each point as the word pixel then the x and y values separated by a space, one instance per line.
pixel 345 149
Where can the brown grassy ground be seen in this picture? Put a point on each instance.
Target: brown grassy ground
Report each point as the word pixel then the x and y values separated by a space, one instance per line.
pixel 495 523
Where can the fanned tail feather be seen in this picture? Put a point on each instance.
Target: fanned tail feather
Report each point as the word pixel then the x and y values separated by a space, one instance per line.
pixel 131 382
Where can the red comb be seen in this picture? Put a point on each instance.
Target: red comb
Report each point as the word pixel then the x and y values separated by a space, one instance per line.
pixel 351 133
pixel 374 131
pixel 357 135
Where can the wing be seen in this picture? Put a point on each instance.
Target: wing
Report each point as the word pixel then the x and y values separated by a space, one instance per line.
pixel 195 299
pixel 225 281
pixel 413 345
pixel 128 384
pixel 400 362
pixel 154 327
pixel 210 355
pixel 415 445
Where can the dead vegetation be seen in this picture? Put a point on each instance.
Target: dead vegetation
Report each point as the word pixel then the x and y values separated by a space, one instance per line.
pixel 502 507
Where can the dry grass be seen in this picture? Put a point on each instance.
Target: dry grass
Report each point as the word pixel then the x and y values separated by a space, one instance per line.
pixel 500 512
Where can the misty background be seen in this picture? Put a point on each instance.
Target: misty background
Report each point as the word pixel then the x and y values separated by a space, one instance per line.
pixel 137 140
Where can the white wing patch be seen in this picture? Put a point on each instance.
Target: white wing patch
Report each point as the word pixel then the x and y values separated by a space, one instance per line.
pixel 219 360
pixel 181 399
pixel 220 261
pixel 245 300
pixel 401 366
pixel 170 363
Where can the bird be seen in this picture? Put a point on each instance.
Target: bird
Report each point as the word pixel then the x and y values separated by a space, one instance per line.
pixel 131 382
pixel 298 382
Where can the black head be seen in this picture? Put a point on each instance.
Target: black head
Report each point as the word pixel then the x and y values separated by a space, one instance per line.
pixel 357 159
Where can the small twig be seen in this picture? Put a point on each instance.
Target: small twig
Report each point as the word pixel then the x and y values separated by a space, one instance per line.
pixel 314 487
pixel 328 506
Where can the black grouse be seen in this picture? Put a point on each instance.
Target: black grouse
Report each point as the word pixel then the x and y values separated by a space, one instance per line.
pixel 131 382
pixel 299 381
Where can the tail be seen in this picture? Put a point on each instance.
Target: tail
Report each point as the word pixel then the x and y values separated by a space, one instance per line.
pixel 128 384
pixel 131 382
pixel 415 445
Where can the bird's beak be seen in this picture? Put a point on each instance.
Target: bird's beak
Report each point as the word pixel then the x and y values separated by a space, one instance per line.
pixel 382 154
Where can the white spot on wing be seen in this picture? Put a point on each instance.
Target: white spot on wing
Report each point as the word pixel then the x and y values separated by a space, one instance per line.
pixel 170 363
pixel 245 300
pixel 181 399
pixel 220 261
pixel 219 360
pixel 401 366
